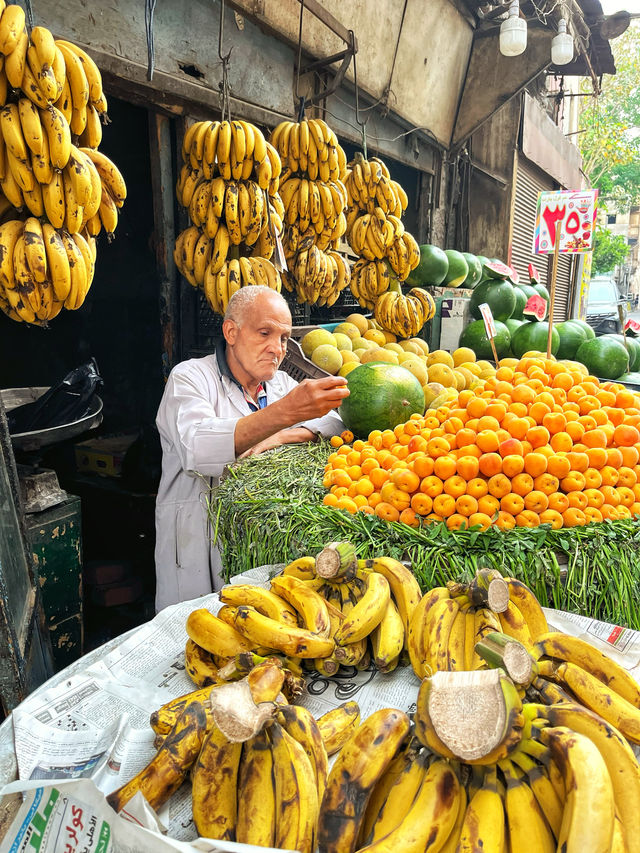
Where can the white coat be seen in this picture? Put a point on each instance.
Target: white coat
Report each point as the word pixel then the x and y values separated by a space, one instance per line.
pixel 196 421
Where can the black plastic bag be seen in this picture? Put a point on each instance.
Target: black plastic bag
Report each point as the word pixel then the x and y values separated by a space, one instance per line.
pixel 68 401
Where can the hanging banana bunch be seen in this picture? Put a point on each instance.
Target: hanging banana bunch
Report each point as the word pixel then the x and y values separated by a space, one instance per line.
pixel 404 314
pixel 314 199
pixel 375 231
pixel 52 108
pixel 229 184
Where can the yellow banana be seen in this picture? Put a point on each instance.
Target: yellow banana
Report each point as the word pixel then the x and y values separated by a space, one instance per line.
pixel 368 612
pixel 58 136
pixel 78 274
pixel 92 73
pixel 35 249
pixel 14 64
pixel 256 795
pixel 92 134
pixel 301 725
pixel 296 795
pixel 109 174
pixel 57 262
pixel 214 635
pixel 308 603
pixel 11 26
pixel 231 213
pixel 108 212
pixel 293 641
pixel 214 786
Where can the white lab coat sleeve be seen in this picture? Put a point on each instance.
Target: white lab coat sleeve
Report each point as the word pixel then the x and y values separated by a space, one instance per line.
pixel 326 426
pixel 204 441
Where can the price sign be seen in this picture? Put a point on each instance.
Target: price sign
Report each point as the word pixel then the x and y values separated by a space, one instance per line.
pixel 490 327
pixel 569 215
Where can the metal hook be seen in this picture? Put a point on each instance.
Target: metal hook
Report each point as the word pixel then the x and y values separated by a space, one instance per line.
pixel 361 124
pixel 299 99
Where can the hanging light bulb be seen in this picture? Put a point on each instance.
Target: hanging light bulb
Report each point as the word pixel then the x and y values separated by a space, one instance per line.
pixel 513 32
pixel 562 45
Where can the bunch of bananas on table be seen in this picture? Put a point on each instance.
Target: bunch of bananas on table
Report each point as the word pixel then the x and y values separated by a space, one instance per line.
pixel 314 200
pixel 229 184
pixel 261 784
pixel 375 231
pixel 51 174
pixel 360 615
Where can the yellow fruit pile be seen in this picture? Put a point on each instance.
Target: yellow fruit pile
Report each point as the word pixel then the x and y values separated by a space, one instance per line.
pixel 541 442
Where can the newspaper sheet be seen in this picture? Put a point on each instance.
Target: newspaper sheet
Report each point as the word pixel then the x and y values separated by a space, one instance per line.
pixel 93 727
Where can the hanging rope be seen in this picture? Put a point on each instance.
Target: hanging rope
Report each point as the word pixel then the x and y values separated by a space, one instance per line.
pixel 225 90
pixel 149 9
pixel 361 124
pixel 30 18
pixel 299 98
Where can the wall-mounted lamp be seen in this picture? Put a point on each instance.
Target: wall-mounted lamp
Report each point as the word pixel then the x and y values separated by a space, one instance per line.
pixel 513 32
pixel 562 45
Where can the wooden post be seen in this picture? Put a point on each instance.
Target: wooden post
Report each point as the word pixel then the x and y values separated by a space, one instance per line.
pixel 552 289
pixel 494 350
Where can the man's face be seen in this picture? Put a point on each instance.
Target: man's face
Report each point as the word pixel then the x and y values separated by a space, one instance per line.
pixel 260 343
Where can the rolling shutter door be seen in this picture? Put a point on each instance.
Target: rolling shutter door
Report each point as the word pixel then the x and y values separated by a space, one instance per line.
pixel 529 182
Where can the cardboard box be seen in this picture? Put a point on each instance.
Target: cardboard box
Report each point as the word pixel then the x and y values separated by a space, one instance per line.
pixel 452 315
pixel 104 455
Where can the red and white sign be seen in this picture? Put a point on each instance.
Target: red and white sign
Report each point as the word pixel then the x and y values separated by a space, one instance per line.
pixel 571 215
pixel 489 322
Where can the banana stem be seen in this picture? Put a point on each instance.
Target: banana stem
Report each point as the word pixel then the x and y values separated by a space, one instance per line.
pixel 502 651
pixel 337 561
pixel 489 589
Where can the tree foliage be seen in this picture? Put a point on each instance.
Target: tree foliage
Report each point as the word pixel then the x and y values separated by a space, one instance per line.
pixel 609 250
pixel 610 126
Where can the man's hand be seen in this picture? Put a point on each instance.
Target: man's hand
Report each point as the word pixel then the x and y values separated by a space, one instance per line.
pixel 296 435
pixel 313 398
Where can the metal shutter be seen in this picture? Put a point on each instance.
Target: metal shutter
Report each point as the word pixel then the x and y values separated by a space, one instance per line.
pixel 529 182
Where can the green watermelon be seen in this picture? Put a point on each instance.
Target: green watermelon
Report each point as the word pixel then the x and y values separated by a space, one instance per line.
pixel 498 295
pixel 475 337
pixel 458 269
pixel 633 378
pixel 381 396
pixel 604 357
pixel 512 325
pixel 521 301
pixel 587 328
pixel 475 270
pixel 633 347
pixel 534 336
pixel 432 269
pixel 571 336
pixel 535 309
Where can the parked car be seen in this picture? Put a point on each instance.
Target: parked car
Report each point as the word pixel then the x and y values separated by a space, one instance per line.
pixel 602 306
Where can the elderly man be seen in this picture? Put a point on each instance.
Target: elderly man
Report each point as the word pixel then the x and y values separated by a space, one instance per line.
pixel 220 408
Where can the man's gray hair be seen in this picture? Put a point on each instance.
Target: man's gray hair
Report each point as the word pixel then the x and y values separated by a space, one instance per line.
pixel 244 298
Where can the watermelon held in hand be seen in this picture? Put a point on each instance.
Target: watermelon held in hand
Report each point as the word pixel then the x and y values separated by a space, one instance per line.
pixel 499 296
pixel 432 269
pixel 381 396
pixel 534 336
pixel 604 357
pixel 535 309
pixel 475 337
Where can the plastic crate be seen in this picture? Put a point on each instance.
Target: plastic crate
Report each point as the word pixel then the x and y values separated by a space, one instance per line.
pixel 298 366
pixel 345 304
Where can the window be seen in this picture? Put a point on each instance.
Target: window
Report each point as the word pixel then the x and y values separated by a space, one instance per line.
pixel 611 219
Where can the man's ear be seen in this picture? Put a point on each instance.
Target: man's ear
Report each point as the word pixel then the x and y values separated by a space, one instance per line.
pixel 230 331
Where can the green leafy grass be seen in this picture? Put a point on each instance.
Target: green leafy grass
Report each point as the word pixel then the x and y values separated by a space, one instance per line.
pixel 268 509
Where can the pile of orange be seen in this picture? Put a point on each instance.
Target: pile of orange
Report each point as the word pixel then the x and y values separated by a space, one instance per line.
pixel 542 442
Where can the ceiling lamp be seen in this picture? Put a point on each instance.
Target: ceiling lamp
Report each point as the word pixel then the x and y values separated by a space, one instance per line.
pixel 562 45
pixel 513 32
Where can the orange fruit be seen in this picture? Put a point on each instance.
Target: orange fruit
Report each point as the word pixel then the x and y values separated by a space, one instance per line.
pixel 595 498
pixel 466 505
pixel 609 512
pixel 510 446
pixel 479 519
pixel 578 461
pixel 330 500
pixel 552 517
pixel 477 487
pixel 499 485
pixel 408 516
pixel 614 457
pixel 487 441
pixel 597 457
pixel 625 399
pixel 512 465
pixel 573 517
pixel 455 486
pixel 467 467
pixel 610 476
pixel 561 442
pixel 626 436
pixel 421 503
pixel 489 505
pixel 466 436
pixel 592 478
pixel 423 466
pixel 578 500
pixel 558 501
pixel 387 512
pixel 394 496
pixel 432 486
pixel 573 482
pixel 627 498
pixel 630 456
pixel 505 521
pixel 535 464
pixel 444 466
pixel 559 466
pixel 347 503
pixel 538 411
pixel 444 505
pixel 610 495
pixel 522 484
pixel 374 499
pixel 457 522
pixel 545 483
pixel 365 487
pixel 626 477
pixel 490 464
pixel 536 501
pixel 595 438
pixel 527 518
pixel 593 515
pixel 512 504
